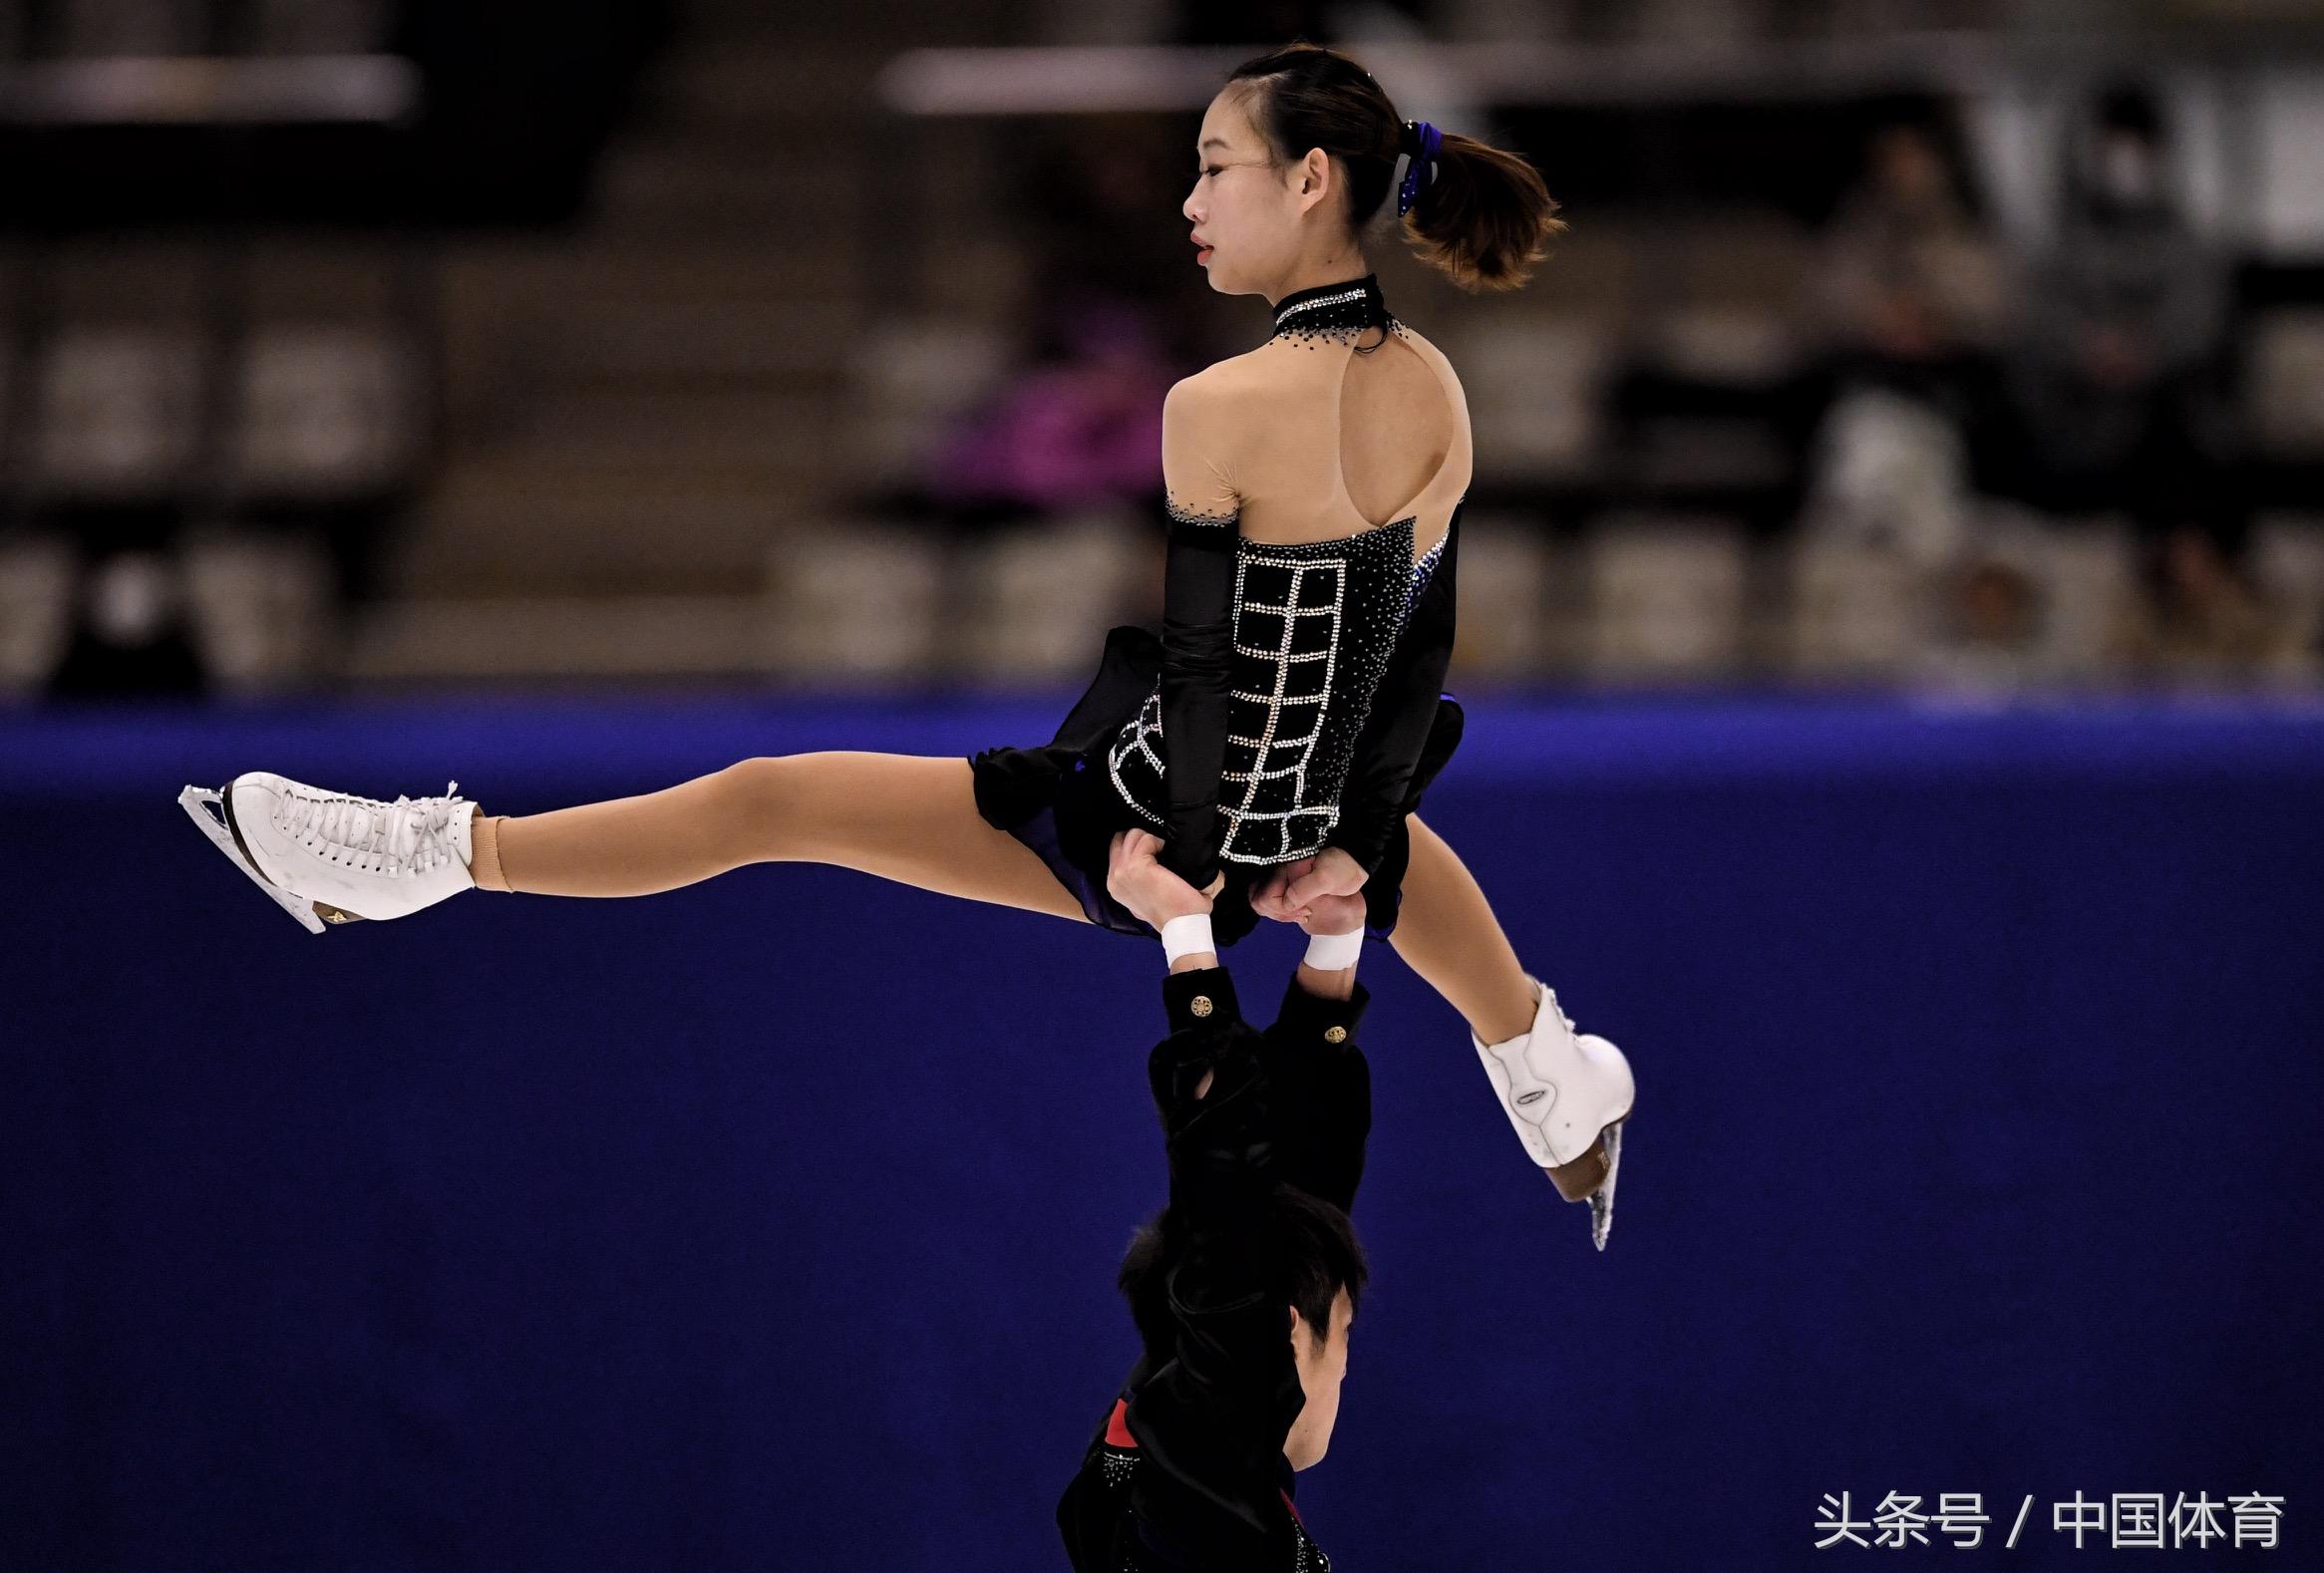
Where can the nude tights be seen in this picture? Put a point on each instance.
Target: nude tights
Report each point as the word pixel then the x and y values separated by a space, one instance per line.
pixel 913 819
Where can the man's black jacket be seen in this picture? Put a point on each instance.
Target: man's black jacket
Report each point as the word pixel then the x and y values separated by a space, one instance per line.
pixel 1188 1471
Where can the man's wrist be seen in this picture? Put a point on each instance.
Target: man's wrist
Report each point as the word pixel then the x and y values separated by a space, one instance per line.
pixel 1339 985
pixel 1187 938
pixel 1334 952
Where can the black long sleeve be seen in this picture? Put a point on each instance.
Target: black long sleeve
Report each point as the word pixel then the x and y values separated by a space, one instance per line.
pixel 1197 647
pixel 1213 1418
pixel 1189 1474
pixel 1403 709
pixel 1321 1087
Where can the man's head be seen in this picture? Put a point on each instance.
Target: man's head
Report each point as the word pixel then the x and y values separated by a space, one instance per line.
pixel 1314 1268
pixel 1320 1350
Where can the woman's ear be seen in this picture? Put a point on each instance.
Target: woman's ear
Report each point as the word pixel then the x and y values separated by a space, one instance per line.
pixel 1314 178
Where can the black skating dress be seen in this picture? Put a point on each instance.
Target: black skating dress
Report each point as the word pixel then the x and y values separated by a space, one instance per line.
pixel 1292 700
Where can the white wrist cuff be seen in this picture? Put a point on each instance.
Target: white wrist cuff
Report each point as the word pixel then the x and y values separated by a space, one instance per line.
pixel 1335 952
pixel 1187 936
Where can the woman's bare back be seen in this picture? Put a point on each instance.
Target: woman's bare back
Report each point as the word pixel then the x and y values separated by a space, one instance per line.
pixel 1339 435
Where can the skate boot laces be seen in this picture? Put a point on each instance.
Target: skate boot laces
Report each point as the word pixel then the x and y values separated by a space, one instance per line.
pixel 408 836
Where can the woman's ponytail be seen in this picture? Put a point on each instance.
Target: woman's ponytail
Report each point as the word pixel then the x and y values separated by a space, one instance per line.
pixel 1472 211
pixel 1482 217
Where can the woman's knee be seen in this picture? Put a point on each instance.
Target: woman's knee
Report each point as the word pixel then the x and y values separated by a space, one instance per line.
pixel 763 800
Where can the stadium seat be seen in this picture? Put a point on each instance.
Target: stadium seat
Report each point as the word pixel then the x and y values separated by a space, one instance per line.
pixel 327 412
pixel 119 416
pixel 262 609
pixel 2287 384
pixel 1037 601
pixel 2090 589
pixel 2287 566
pixel 908 380
pixel 36 578
pixel 852 602
pixel 1856 610
pixel 1536 393
pixel 1507 631
pixel 1666 597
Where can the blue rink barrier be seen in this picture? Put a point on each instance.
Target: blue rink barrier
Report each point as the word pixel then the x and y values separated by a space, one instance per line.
pixel 771 1224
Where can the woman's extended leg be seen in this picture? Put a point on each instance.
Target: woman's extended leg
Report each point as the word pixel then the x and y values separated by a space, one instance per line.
pixel 1446 932
pixel 900 817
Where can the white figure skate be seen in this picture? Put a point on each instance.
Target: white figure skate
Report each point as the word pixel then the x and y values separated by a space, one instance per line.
pixel 325 857
pixel 1568 1098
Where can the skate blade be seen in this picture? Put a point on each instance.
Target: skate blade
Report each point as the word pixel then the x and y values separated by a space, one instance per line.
pixel 199 803
pixel 1591 1178
pixel 1601 1200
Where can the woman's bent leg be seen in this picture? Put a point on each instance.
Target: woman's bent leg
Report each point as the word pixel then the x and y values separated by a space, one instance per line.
pixel 1446 932
pixel 1566 1095
pixel 901 816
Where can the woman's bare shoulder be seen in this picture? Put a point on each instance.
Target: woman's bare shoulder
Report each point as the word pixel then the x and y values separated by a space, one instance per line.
pixel 1223 393
pixel 1236 378
pixel 1427 350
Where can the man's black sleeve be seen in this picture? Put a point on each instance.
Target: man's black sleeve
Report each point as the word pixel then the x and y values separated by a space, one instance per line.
pixel 1213 1418
pixel 1322 1088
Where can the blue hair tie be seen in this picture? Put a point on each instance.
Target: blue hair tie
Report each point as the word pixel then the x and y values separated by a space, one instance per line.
pixel 1421 142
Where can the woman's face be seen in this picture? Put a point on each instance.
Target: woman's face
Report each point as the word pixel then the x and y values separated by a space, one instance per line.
pixel 1244 211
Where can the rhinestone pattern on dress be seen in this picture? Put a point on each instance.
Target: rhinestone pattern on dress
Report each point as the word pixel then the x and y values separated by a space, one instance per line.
pixel 1424 566
pixel 1186 515
pixel 1314 626
pixel 1336 314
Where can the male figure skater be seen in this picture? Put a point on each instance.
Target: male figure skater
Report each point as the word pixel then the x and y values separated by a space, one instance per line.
pixel 1243 1287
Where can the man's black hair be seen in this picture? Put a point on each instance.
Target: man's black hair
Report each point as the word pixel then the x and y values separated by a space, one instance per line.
pixel 1309 1246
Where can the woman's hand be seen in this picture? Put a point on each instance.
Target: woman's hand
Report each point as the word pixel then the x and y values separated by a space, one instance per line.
pixel 1136 877
pixel 1333 915
pixel 1289 894
pixel 1269 896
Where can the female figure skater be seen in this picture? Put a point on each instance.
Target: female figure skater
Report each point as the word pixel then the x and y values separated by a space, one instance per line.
pixel 1277 735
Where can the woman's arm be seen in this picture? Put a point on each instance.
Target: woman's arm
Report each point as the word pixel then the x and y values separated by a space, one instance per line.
pixel 1403 709
pixel 1198 624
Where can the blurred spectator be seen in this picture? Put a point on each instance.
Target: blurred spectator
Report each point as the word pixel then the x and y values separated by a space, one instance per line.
pixel 1115 320
pixel 1908 302
pixel 2118 367
pixel 1910 283
pixel 1081 428
pixel 2202 620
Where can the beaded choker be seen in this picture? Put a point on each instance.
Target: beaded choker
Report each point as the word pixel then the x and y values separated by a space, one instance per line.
pixel 1339 312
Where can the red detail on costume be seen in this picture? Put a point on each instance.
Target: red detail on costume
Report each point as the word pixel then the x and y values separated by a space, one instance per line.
pixel 1117 1425
pixel 1294 1506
